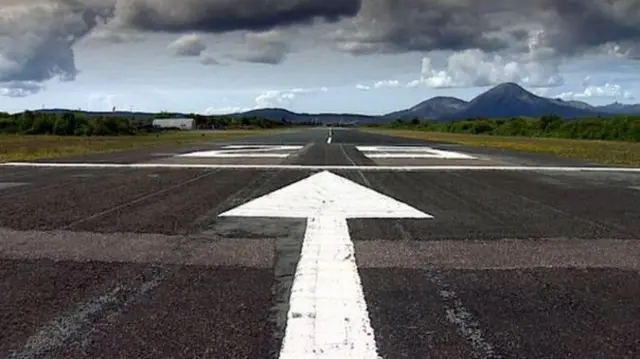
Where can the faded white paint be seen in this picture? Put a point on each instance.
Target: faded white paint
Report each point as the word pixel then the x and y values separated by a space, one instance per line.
pixel 7 185
pixel 319 167
pixel 255 151
pixel 60 329
pixel 328 315
pixel 411 152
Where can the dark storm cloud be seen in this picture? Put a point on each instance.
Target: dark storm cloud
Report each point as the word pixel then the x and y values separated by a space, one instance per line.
pixel 229 15
pixel 36 41
pixel 570 26
pixel 577 25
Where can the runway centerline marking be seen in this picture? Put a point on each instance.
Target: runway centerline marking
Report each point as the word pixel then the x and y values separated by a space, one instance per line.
pixel 238 151
pixel 327 311
pixel 411 152
pixel 317 167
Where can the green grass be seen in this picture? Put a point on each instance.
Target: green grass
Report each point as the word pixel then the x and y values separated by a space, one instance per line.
pixel 604 152
pixel 34 147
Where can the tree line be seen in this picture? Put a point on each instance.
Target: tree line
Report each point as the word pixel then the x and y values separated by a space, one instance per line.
pixel 80 124
pixel 614 128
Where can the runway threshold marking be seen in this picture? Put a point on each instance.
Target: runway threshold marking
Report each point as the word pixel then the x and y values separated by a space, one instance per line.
pixel 411 152
pixel 238 151
pixel 319 167
pixel 327 311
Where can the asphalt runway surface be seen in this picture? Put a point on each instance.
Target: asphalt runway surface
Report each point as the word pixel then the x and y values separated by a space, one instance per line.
pixel 177 253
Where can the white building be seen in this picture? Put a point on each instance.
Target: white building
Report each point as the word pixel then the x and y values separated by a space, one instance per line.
pixel 181 123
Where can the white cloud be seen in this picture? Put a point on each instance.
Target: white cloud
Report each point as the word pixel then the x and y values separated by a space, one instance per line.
pixel 380 84
pixel 225 110
pixel 187 45
pixel 269 99
pixel 279 98
pixel 610 91
pixel 538 67
pixel 386 83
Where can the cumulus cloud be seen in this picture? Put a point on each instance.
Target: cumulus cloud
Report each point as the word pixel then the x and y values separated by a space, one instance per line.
pixel 267 99
pixel 537 67
pixel 187 45
pixel 386 83
pixel 608 90
pixel 20 88
pixel 268 47
pixel 283 98
pixel 380 84
pixel 224 110
pixel 36 40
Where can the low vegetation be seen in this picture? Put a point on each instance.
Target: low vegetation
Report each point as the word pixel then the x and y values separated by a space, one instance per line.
pixel 615 128
pixel 34 147
pixel 78 124
pixel 598 151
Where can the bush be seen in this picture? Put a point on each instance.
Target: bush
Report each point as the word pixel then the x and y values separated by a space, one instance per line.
pixel 620 128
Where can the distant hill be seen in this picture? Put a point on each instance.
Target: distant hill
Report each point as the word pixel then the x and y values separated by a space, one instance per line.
pixel 504 100
pixel 435 107
pixel 278 114
pixel 619 108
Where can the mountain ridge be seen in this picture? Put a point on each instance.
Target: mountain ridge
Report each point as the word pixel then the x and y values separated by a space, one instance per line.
pixel 501 101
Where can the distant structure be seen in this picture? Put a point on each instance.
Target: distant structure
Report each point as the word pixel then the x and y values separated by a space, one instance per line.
pixel 179 123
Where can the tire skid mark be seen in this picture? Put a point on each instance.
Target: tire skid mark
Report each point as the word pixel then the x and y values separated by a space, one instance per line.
pixel 455 311
pixel 71 324
pixel 137 200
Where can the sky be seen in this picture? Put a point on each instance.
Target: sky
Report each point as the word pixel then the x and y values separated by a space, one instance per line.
pixel 357 56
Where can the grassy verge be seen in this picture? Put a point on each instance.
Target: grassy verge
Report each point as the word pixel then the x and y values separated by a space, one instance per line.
pixel 29 148
pixel 605 152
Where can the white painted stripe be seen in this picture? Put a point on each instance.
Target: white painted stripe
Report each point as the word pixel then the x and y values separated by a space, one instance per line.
pixel 329 139
pixel 410 152
pixel 237 151
pixel 320 167
pixel 218 154
pixel 264 147
pixel 450 156
pixel 327 311
pixel 327 315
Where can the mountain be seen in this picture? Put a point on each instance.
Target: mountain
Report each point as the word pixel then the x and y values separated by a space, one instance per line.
pixel 435 107
pixel 510 99
pixel 502 101
pixel 619 108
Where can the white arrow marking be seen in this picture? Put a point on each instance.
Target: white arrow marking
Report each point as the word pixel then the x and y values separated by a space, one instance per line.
pixel 327 316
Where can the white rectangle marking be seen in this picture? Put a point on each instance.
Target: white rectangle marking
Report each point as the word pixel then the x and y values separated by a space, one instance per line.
pixel 239 151
pixel 411 152
pixel 219 154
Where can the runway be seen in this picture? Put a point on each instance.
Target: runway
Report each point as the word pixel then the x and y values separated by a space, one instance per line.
pixel 214 250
